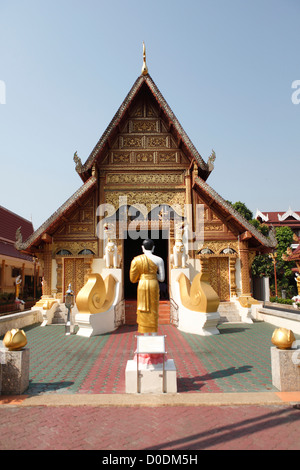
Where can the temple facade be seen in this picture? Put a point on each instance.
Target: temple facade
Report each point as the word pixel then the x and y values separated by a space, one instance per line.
pixel 145 179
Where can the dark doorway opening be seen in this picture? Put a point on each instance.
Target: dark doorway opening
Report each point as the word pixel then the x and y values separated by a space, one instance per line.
pixel 133 248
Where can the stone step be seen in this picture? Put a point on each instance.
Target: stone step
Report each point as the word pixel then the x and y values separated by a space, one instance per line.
pixel 229 312
pixel 163 313
pixel 60 315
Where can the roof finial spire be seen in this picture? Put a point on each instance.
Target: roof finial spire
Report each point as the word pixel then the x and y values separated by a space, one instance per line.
pixel 144 68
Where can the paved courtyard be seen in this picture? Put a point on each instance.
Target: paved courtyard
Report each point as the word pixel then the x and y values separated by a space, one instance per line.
pixel 236 360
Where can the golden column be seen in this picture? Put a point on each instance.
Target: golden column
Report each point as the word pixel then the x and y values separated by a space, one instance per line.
pixel 2 281
pixel 59 278
pixel 232 261
pixel 47 270
pixel 245 268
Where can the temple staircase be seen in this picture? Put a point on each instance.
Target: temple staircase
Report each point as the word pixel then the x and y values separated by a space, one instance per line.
pixel 60 315
pixel 163 313
pixel 229 312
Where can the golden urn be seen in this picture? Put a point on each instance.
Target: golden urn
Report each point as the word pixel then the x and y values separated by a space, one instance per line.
pixel 283 338
pixel 15 339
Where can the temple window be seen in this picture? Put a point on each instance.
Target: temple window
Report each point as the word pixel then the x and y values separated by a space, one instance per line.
pixel 228 251
pixel 86 251
pixel 205 251
pixel 63 253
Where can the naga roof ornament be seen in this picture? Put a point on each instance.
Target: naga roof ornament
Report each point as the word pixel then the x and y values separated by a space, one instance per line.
pixel 144 68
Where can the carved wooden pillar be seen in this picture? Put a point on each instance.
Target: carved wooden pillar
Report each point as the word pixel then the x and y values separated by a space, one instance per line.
pixel 101 200
pixel 232 262
pixel 59 283
pixel 2 281
pixel 188 201
pixel 188 196
pixel 245 268
pixel 87 268
pixel 47 270
pixel 204 268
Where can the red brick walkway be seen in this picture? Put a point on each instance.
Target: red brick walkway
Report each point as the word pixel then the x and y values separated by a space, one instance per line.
pixel 150 429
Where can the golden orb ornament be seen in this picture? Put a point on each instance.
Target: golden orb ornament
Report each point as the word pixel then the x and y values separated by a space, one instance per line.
pixel 15 339
pixel 283 338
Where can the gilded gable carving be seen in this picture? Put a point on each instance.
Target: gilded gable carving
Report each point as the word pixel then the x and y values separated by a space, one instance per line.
pixel 120 157
pixel 136 178
pixel 144 157
pixel 80 223
pixel 144 126
pixel 159 141
pixel 145 139
pixel 171 157
pixel 131 142
pixel 147 198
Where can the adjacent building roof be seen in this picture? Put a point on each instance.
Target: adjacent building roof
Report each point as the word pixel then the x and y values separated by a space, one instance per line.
pixel 9 224
pixel 289 217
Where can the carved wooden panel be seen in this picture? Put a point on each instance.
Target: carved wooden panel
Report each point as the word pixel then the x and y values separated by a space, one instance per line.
pixel 219 277
pixel 145 140
pixel 80 223
pixel 145 179
pixel 147 198
pixel 74 274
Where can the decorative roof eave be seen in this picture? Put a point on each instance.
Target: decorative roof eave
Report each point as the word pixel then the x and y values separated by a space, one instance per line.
pixel 288 213
pixel 295 256
pixel 243 225
pixel 50 224
pixel 204 168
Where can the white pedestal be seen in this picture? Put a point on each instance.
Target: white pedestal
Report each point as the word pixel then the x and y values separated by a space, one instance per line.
pixel 150 379
pixel 285 369
pixel 198 323
pixel 96 323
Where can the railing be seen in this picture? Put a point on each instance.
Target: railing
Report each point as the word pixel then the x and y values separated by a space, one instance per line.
pixel 174 314
pixel 119 313
pixel 8 308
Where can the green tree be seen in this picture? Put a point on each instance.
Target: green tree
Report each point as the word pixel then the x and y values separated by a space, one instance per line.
pixel 243 209
pixel 284 236
pixel 248 215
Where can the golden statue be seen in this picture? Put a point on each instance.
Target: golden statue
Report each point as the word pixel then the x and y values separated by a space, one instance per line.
pixel 283 338
pixel 297 279
pixel 147 269
pixel 18 283
pixel 15 340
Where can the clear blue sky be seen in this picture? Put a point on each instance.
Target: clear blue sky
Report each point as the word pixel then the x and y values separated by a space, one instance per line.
pixel 225 68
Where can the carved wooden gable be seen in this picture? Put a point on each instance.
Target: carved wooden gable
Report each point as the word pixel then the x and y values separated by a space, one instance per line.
pixel 80 224
pixel 144 139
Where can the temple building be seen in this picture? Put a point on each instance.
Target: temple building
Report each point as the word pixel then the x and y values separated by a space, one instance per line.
pixel 12 262
pixel 289 218
pixel 141 175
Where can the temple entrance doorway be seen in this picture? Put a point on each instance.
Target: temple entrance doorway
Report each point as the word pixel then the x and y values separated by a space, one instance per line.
pixel 132 248
pixel 219 277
